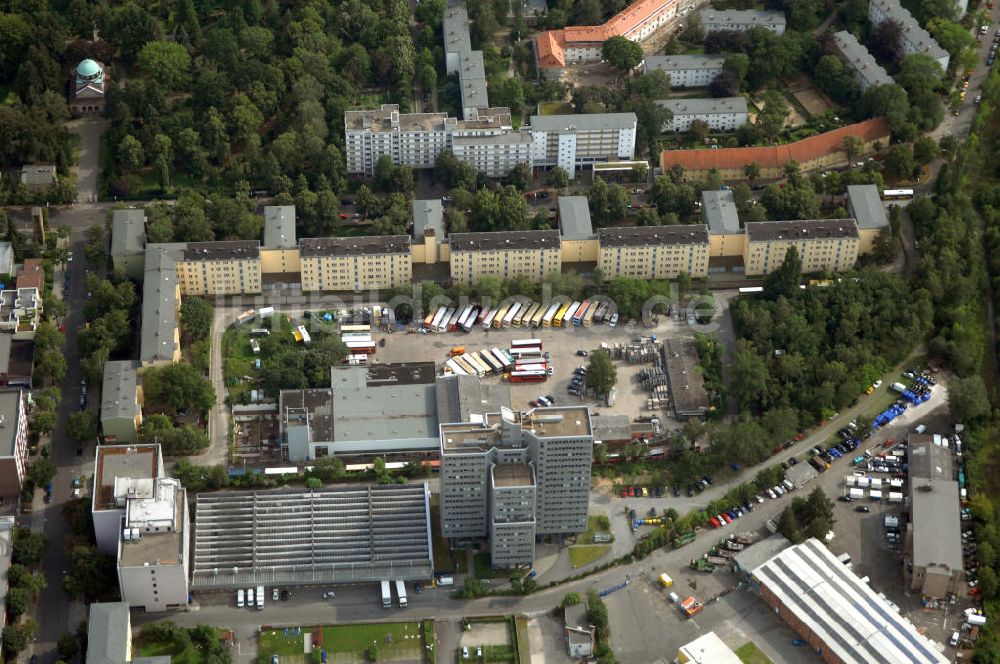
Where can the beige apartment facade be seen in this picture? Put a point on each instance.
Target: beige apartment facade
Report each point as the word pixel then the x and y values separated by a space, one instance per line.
pixel 220 268
pixel 355 263
pixel 504 255
pixel 654 252
pixel 824 245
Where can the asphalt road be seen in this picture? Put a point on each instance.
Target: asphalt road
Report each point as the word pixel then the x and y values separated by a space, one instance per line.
pixel 54 614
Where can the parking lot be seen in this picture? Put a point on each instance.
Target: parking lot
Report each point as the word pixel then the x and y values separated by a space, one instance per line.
pixel 563 345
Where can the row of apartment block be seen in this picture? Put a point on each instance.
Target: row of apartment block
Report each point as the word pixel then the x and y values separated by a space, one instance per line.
pixel 718 114
pixel 914 38
pixel 486 139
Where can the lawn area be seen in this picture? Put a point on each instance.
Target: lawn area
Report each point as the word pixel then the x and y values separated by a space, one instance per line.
pixel 392 639
pixel 585 554
pixel 593 526
pixel 145 647
pixel 555 108
pixel 274 642
pixel 751 654
pixel 484 568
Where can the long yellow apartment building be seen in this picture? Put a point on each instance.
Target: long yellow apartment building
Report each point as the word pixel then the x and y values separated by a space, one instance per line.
pixel 220 268
pixel 504 255
pixel 355 263
pixel 653 252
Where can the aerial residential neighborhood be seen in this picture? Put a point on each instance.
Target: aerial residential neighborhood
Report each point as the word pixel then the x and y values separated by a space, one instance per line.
pixel 456 331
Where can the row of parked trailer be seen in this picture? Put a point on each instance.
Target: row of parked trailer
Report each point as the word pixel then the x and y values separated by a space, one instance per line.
pixel 521 314
pixel 524 362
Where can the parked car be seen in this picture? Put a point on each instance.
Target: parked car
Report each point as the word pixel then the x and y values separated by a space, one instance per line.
pixel 862 508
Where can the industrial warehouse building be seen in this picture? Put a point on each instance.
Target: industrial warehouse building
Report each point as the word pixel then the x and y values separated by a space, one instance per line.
pixel 346 534
pixel 837 614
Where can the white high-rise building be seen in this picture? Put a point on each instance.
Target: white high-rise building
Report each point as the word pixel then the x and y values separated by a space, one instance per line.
pixel 577 140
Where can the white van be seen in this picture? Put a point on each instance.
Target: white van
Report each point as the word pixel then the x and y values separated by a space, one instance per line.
pixel 239 598
pixel 260 598
pixel 953 641
pixel 673 597
pixel 250 597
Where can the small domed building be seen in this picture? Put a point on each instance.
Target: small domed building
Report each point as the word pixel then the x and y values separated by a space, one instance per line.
pixel 87 88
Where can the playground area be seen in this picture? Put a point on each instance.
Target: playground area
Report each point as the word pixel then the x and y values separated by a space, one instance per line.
pixel 348 644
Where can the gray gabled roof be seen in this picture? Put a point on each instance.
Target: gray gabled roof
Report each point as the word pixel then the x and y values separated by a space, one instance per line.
pixel 128 232
pixel 704 105
pixel 279 227
pixel 912 32
pixel 118 389
pixel 574 218
pixel 866 206
pixel 159 302
pixel 108 633
pixel 860 59
pixel 719 210
pixel 428 214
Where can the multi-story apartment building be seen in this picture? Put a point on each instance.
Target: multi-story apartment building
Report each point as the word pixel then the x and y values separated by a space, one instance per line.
pixel 160 337
pixel 720 114
pixel 865 205
pixel 121 413
pixel 513 477
pixel 220 268
pixel 653 252
pixel 280 253
pixel 20 312
pixel 13 442
pixel 457 40
pixel 141 517
pixel 821 151
pixel 128 242
pixel 867 71
pixel 504 255
pixel 686 71
pixel 413 139
pixel 741 20
pixel 577 140
pixel 487 140
pixel 154 546
pixel 118 470
pixel 914 38
pixel 582 43
pixel 355 263
pixel 824 245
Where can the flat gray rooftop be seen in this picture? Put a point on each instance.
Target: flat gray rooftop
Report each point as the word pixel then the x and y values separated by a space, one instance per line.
pixel 297 536
pixel 461 397
pixel 512 474
pixel 574 218
pixel 135 461
pixel 928 461
pixel 108 633
pixel 279 227
pixel 937 528
pixel 384 402
pixel 10 411
pixel 718 19
pixel 159 303
pixel 866 206
pixel 583 122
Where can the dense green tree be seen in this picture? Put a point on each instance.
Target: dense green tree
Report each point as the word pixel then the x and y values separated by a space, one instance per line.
pixel 81 426
pixel 601 373
pixel 28 547
pixel 557 178
pixel 968 400
pixel 196 317
pixel 178 386
pixel 899 161
pixel 622 53
pixel 167 62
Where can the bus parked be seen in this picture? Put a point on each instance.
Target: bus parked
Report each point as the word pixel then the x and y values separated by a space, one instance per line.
pixel 558 320
pixel 478 362
pixel 550 315
pixel 504 359
pixel 526 343
pixel 527 376
pixel 488 318
pixel 524 320
pixel 436 322
pixel 570 312
pixel 487 357
pixel 464 316
pixel 525 353
pixel 588 319
pixel 578 317
pixel 351 329
pixel 501 314
pixel 536 319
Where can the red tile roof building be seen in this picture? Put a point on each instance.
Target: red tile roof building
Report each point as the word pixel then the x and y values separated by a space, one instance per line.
pixel 582 43
pixel 819 151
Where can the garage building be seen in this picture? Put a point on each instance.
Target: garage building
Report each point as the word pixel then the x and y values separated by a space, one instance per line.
pixel 303 537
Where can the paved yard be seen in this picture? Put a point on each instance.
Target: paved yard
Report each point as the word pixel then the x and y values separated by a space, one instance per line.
pixel 547 643
pixel 486 634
